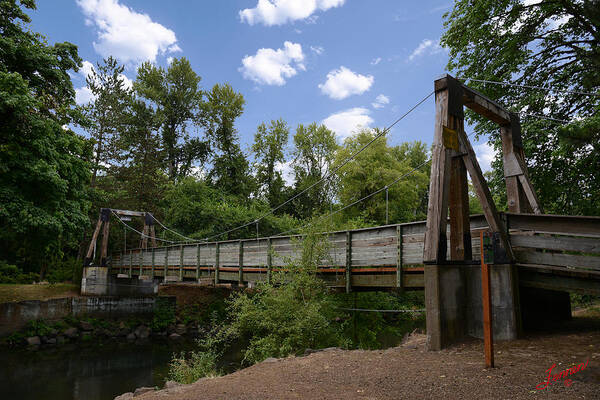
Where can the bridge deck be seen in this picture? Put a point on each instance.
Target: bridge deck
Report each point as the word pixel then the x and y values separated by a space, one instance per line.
pixel 552 252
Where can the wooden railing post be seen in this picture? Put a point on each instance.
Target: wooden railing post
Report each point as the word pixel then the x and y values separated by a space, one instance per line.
pixel 166 263
pixel 181 262
pixel 130 262
pixel 153 263
pixel 399 283
pixel 269 261
pixel 348 261
pixel 141 259
pixel 197 261
pixel 241 264
pixel 217 248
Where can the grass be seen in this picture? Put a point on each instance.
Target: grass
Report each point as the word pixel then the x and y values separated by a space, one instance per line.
pixel 12 292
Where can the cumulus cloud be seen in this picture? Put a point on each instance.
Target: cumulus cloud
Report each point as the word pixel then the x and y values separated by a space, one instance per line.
pixel 287 173
pixel 342 83
pixel 273 67
pixel 381 101
pixel 344 123
pixel 427 46
pixel 129 36
pixel 279 12
pixel 485 155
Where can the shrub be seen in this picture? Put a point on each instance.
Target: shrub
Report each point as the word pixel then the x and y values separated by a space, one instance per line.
pixel 12 274
pixel 68 270
pixel 198 365
pixel 164 315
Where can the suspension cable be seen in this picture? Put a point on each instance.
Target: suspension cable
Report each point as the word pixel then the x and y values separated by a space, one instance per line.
pixel 175 232
pixel 529 86
pixel 138 232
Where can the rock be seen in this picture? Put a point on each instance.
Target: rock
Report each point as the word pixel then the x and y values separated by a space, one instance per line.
pixel 71 333
pixel 33 341
pixel 51 341
pixel 53 333
pixel 172 384
pixel 123 332
pixel 86 326
pixel 270 360
pixel 180 329
pixel 174 336
pixel 122 325
pixel 142 390
pixel 131 336
pixel 309 351
pixel 142 332
pixel 125 396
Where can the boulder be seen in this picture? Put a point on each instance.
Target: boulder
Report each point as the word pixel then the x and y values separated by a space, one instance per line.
pixel 142 390
pixel 171 384
pixel 71 333
pixel 125 396
pixel 174 336
pixel 33 341
pixel 50 341
pixel 142 332
pixel 86 326
pixel 131 336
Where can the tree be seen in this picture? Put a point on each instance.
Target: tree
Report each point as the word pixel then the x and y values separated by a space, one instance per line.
pixel 106 113
pixel 268 147
pixel 231 170
pixel 43 168
pixel 553 44
pixel 176 97
pixel 313 155
pixel 374 168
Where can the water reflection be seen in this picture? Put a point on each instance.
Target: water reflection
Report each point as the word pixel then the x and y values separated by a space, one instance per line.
pixel 92 372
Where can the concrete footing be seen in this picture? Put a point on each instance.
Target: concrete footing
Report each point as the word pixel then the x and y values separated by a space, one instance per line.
pixel 454 304
pixel 97 281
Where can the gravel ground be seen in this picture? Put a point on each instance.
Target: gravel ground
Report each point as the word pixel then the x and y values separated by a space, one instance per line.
pixel 410 371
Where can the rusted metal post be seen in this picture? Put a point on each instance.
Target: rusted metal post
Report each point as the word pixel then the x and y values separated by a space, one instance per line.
pixel 488 338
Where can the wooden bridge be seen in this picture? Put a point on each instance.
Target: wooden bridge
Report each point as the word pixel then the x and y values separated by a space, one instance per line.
pixel 552 252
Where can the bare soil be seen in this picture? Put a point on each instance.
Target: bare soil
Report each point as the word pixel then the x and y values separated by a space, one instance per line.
pixel 410 371
pixel 12 292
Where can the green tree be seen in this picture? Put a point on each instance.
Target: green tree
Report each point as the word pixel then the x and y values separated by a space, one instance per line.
pixel 43 167
pixel 268 147
pixel 314 152
pixel 106 113
pixel 550 44
pixel 374 168
pixel 176 98
pixel 231 170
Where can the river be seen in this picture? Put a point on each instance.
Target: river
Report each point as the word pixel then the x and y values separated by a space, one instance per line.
pixel 85 371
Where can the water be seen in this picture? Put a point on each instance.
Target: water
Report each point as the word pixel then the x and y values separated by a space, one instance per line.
pixel 90 372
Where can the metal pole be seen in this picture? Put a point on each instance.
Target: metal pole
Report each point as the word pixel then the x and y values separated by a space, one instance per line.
pixel 488 338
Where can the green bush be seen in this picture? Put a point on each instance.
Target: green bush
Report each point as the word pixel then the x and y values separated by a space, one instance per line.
pixel 198 365
pixel 68 270
pixel 164 315
pixel 12 274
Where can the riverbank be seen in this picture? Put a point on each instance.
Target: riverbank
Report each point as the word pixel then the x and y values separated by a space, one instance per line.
pixel 15 292
pixel 410 371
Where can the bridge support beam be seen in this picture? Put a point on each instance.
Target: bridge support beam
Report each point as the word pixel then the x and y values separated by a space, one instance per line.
pixel 453 284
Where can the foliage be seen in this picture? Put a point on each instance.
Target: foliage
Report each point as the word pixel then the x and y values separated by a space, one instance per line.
pixel 268 148
pixel 12 274
pixel 314 152
pixel 164 315
pixel 198 365
pixel 551 44
pixel 374 168
pixel 65 270
pixel 44 173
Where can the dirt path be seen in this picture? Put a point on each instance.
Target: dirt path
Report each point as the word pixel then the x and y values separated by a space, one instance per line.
pixel 409 371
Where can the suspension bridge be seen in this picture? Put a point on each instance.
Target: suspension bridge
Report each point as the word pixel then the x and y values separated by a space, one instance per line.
pixel 535 259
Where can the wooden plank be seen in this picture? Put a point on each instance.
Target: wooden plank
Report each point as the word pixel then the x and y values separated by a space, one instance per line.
pixel 104 250
pixel 460 238
pixel 269 260
pixel 399 256
pixel 564 260
pixel 485 106
pixel 130 262
pixel 483 193
pixel 348 261
pixel 559 224
pixel 241 263
pixel 217 263
pixel 166 269
pixel 553 282
pixel 198 261
pixel 90 252
pixel 181 262
pixel 437 209
pixel 564 243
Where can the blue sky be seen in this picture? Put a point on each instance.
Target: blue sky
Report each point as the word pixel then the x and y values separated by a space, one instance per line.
pixel 338 62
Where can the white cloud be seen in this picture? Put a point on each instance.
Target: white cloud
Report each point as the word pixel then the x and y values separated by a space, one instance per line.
pixel 129 36
pixel 317 49
pixel 287 173
pixel 344 123
pixel 381 101
pixel 485 155
pixel 427 46
pixel 169 60
pixel 279 12
pixel 376 61
pixel 83 95
pixel 272 67
pixel 342 83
